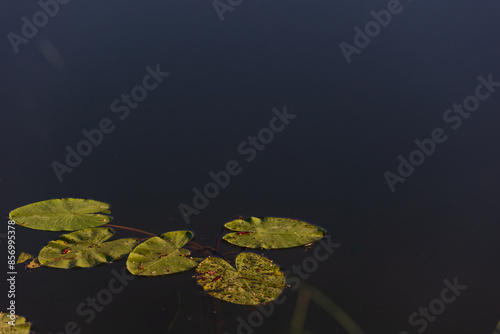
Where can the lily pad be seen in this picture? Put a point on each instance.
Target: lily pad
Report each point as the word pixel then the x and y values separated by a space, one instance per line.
pixel 21 325
pixel 33 264
pixel 85 248
pixel 272 233
pixel 162 255
pixel 256 279
pixel 497 329
pixel 67 214
pixel 24 257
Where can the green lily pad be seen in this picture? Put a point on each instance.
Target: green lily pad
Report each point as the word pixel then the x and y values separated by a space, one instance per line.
pixel 272 233
pixel 85 248
pixel 21 325
pixel 162 255
pixel 256 279
pixel 67 214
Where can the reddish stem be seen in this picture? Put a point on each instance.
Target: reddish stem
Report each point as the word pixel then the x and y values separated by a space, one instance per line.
pixel 130 229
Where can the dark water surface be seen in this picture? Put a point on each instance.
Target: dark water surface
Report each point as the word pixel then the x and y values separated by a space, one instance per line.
pixel 398 249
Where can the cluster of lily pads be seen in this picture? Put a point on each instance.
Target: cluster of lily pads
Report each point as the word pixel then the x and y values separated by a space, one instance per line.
pixel 254 280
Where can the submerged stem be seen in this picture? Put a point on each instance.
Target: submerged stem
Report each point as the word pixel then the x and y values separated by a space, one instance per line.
pixel 203 249
pixel 130 229
pixel 193 244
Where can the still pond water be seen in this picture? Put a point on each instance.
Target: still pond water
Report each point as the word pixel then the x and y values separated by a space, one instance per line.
pixel 376 120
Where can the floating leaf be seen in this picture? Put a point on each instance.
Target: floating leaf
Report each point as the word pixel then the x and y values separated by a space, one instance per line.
pixel 33 264
pixel 85 248
pixel 6 321
pixel 67 214
pixel 161 255
pixel 497 329
pixel 24 257
pixel 271 232
pixel 256 280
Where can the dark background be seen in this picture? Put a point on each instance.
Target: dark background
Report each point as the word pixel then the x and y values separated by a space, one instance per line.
pixel 353 121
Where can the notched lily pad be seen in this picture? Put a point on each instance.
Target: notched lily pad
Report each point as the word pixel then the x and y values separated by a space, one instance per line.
pixel 272 233
pixel 162 255
pixel 21 325
pixel 85 248
pixel 255 280
pixel 67 214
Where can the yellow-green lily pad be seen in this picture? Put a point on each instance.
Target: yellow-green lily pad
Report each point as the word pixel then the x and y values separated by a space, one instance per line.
pixel 272 233
pixel 67 214
pixel 255 280
pixel 24 257
pixel 7 320
pixel 85 248
pixel 162 255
